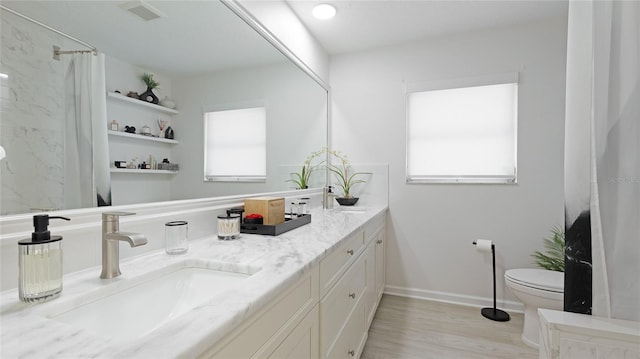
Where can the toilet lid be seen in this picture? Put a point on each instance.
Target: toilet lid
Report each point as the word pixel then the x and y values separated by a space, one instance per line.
pixel 543 279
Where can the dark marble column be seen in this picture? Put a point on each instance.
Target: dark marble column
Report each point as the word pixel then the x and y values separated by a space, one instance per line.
pixel 577 264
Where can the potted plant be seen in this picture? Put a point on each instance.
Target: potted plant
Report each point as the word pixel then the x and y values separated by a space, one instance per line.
pixel 346 178
pixel 301 179
pixel 149 96
pixel 554 258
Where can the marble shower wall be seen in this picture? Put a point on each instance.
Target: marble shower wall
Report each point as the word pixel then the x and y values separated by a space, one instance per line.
pixel 32 122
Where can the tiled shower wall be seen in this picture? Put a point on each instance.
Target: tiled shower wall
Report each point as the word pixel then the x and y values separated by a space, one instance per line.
pixel 32 110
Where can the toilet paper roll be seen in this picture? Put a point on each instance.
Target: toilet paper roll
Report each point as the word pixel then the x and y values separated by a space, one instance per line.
pixel 483 245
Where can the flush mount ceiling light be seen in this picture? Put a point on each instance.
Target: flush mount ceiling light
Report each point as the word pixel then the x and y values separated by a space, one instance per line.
pixel 143 10
pixel 324 11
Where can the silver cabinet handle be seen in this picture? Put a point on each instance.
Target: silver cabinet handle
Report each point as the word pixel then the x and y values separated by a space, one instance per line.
pixel 379 241
pixel 352 352
pixel 350 252
pixel 352 295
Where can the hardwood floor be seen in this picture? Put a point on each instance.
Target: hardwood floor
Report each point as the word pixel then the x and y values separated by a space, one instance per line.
pixel 414 328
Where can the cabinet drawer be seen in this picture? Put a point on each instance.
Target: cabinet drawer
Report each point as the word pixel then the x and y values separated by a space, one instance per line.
pixel 303 340
pixel 333 265
pixel 272 324
pixel 352 338
pixel 340 302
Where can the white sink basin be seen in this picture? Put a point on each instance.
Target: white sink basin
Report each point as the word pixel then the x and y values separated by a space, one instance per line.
pixel 134 310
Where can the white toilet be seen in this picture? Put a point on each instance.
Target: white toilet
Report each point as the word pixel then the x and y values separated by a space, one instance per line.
pixel 535 288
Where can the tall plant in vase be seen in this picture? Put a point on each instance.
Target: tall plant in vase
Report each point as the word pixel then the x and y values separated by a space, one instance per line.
pixel 346 178
pixel 149 96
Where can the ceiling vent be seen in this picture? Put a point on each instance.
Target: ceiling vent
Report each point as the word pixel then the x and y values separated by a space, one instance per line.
pixel 142 10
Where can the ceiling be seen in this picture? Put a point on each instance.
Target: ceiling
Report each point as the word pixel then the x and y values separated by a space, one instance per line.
pixel 204 36
pixel 363 24
pixel 195 37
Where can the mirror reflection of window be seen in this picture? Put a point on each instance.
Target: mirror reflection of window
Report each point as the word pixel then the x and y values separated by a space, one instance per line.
pixel 235 145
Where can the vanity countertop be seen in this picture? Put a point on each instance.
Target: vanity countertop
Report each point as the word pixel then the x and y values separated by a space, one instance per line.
pixel 282 260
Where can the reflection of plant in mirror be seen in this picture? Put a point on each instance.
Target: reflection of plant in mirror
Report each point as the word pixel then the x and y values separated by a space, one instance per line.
pixel 343 173
pixel 301 179
pixel 554 258
pixel 148 80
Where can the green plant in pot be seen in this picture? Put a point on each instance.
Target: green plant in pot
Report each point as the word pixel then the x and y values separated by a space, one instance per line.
pixel 553 259
pixel 149 96
pixel 301 179
pixel 346 178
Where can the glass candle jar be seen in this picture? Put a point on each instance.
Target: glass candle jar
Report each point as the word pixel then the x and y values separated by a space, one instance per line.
pixel 228 226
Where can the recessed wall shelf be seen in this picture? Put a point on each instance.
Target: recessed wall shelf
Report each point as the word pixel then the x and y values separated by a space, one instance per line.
pixel 139 171
pixel 137 102
pixel 141 137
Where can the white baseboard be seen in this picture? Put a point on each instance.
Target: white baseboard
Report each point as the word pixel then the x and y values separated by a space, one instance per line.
pixel 452 298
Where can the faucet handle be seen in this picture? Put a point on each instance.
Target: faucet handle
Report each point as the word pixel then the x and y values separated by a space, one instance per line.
pixel 114 216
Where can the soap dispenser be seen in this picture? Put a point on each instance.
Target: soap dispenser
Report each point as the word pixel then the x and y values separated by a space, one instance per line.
pixel 40 263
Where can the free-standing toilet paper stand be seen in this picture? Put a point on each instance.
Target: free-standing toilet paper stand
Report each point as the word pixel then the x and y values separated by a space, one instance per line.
pixel 494 313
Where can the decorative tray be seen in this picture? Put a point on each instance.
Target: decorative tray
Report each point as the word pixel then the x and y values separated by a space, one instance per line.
pixel 277 229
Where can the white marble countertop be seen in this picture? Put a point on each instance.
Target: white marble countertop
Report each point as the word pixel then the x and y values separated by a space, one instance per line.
pixel 282 260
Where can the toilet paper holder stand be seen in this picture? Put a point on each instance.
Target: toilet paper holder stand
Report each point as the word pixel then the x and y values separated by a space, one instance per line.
pixel 494 313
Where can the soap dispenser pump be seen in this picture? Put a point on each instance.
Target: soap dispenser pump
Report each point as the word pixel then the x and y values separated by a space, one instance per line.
pixel 40 263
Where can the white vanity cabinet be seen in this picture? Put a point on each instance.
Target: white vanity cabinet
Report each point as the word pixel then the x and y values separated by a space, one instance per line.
pixel 375 254
pixel 326 313
pixel 286 327
pixel 343 330
pixel 354 279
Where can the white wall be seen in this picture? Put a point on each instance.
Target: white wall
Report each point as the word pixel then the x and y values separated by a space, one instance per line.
pixel 432 226
pixel 296 124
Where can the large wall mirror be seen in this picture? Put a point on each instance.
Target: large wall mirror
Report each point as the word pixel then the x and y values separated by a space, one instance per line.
pixel 203 55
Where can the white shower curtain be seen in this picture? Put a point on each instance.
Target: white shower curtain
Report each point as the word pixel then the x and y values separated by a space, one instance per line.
pixel 87 179
pixel 615 157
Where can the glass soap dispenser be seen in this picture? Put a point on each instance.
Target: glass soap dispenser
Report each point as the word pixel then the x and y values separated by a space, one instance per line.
pixel 40 263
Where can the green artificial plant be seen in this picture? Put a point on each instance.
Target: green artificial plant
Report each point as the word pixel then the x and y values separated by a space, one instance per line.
pixel 148 79
pixel 343 173
pixel 301 179
pixel 553 259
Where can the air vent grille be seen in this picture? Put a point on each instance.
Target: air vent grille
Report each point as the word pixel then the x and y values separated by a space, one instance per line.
pixel 143 10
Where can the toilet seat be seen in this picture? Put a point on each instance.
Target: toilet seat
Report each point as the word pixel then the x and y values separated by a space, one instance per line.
pixel 540 279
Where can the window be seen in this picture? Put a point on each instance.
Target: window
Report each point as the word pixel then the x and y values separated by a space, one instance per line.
pixel 463 131
pixel 235 145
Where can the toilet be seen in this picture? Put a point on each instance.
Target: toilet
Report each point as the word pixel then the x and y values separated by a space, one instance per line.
pixel 535 288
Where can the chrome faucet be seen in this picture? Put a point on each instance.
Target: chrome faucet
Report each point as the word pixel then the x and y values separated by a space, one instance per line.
pixel 111 237
pixel 327 197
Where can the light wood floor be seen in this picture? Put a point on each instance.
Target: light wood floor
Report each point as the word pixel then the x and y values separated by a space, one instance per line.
pixel 414 328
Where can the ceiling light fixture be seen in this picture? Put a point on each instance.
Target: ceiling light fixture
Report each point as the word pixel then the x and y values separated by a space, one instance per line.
pixel 324 11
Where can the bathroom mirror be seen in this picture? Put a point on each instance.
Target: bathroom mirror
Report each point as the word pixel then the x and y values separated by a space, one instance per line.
pixel 203 55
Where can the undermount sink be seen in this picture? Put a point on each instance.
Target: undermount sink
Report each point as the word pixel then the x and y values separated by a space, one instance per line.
pixel 132 311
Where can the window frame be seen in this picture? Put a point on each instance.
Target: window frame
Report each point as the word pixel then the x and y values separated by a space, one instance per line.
pixel 477 81
pixel 233 178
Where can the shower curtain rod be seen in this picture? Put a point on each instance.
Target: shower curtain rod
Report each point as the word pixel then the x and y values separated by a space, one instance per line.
pixel 93 48
pixel 57 52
